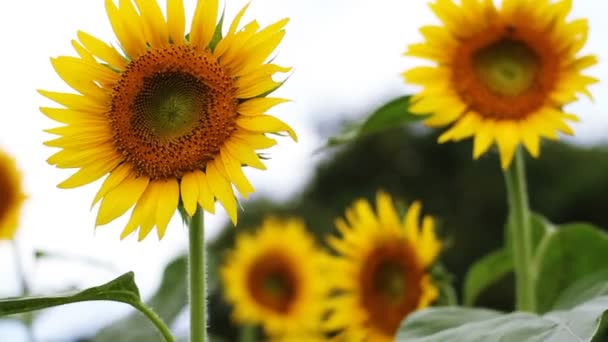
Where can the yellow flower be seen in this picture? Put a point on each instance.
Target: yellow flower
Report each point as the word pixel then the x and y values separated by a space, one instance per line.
pixel 380 273
pixel 274 278
pixel 169 118
pixel 501 75
pixel 11 197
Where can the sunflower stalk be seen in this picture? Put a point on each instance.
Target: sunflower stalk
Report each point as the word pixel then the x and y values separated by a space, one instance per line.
pixel 520 229
pixel 197 277
pixel 28 317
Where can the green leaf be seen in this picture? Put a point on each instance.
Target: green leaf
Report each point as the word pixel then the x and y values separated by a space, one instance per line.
pixel 169 300
pixel 485 272
pixel 122 289
pixel 390 115
pixel 570 254
pixel 581 324
pixel 590 286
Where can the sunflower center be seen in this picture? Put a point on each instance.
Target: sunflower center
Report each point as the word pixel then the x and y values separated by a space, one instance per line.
pixel 172 110
pixel 507 67
pixel 272 282
pixel 390 281
pixel 7 193
pixel 505 72
pixel 170 103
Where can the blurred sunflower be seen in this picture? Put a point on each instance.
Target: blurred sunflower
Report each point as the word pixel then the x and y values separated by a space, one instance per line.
pixel 169 118
pixel 274 278
pixel 501 75
pixel 11 196
pixel 380 273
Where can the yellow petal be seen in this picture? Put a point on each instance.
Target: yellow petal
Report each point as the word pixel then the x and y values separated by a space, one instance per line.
pixel 75 102
pixel 386 210
pixel 233 168
pixel 102 50
pixel 112 181
pixel 121 198
pixel 176 20
pixel 203 23
pixel 155 28
pixel 91 173
pixel 190 191
pixel 258 106
pixel 244 153
pixel 143 214
pixel 483 139
pixel 167 204
pixel 265 124
pixel 222 190
pixel 205 195
pixel 507 139
pixel 412 218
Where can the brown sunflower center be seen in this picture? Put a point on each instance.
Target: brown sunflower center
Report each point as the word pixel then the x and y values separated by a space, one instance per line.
pixel 273 282
pixel 391 285
pixel 505 73
pixel 8 193
pixel 171 111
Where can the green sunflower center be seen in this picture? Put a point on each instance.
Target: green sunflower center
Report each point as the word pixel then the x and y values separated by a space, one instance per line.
pixel 170 103
pixel 507 67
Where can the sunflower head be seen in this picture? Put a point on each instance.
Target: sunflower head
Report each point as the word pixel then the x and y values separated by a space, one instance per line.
pixel 11 196
pixel 169 118
pixel 501 75
pixel 380 271
pixel 274 278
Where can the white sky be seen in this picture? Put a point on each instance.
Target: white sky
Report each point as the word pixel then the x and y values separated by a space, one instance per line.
pixel 347 59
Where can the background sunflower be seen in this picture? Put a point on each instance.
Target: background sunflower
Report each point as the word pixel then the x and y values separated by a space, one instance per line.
pixel 274 278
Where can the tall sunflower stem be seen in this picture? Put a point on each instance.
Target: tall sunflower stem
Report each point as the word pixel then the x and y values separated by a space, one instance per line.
pixel 519 226
pixel 25 288
pixel 197 278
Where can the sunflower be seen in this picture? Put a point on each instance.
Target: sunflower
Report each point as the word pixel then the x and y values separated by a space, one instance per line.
pixel 168 118
pixel 11 196
pixel 274 278
pixel 501 75
pixel 380 273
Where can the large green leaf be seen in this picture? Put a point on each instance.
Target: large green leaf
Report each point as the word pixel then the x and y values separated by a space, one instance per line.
pixel 122 289
pixel 390 115
pixel 170 299
pixel 590 286
pixel 580 324
pixel 570 254
pixel 485 272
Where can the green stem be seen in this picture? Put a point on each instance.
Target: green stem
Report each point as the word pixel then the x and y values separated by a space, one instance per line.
pixel 196 263
pixel 248 333
pixel 25 289
pixel 157 321
pixel 521 234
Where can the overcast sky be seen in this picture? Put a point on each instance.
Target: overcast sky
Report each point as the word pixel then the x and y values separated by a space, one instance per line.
pixel 347 57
